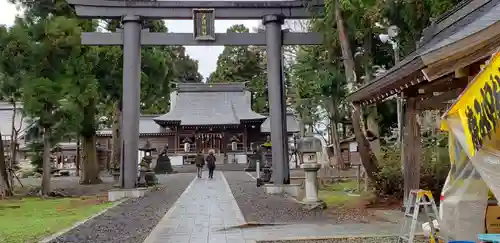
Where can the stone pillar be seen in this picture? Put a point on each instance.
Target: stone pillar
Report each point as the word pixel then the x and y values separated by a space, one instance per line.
pixel 276 94
pixel 311 183
pixel 131 99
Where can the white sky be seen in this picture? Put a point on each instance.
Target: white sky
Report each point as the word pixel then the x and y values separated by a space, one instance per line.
pixel 206 55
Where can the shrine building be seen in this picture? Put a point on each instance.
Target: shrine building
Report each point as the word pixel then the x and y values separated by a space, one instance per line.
pixel 206 117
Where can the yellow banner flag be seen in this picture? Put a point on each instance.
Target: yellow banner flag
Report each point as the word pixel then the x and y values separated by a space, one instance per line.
pixel 479 106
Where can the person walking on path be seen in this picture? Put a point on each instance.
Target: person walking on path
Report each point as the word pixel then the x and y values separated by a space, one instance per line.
pixel 200 162
pixel 210 164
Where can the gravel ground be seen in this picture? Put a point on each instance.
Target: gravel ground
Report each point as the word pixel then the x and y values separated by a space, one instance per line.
pixel 133 220
pixel 257 206
pixel 348 240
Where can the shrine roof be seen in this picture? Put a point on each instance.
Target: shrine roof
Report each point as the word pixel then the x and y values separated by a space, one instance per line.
pixel 210 104
pixel 146 126
pixel 467 19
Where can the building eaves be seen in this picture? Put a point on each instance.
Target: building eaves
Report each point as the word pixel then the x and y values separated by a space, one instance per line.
pixel 448 25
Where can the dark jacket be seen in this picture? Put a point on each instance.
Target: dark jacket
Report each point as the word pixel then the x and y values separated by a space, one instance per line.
pixel 199 161
pixel 210 161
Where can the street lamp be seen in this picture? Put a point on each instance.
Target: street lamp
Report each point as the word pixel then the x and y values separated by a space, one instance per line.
pixel 392 33
pixel 389 37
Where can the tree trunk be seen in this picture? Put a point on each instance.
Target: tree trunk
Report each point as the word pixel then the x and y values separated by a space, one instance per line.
pixel 47 168
pixel 90 172
pixel 78 155
pixel 347 57
pixel 372 126
pixel 337 153
pixel 116 144
pixel 5 187
pixel 13 141
pixel 302 133
pixel 367 157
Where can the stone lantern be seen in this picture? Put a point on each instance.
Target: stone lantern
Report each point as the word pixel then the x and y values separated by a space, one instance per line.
pixel 146 174
pixel 253 158
pixel 234 147
pixel 187 145
pixel 308 147
pixel 266 154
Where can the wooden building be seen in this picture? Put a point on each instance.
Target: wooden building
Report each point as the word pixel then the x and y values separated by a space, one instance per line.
pixel 207 117
pixel 449 55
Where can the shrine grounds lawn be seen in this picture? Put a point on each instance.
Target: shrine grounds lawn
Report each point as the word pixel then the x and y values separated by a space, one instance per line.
pixel 30 219
pixel 343 194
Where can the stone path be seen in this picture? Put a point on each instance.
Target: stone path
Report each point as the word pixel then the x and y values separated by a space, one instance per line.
pixel 319 231
pixel 207 213
pixel 201 215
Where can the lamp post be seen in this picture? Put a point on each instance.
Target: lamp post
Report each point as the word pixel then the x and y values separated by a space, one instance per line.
pixel 146 175
pixel 392 33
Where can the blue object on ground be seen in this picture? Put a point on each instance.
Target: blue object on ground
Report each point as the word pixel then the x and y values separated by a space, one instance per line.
pixel 495 238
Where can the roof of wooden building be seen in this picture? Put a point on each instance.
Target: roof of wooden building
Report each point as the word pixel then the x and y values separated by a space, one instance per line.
pixel 458 35
pixel 210 104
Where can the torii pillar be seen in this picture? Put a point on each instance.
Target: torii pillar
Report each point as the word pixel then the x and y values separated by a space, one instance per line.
pixel 130 100
pixel 276 94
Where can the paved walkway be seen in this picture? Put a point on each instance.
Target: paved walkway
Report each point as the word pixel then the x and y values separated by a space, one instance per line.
pixel 201 214
pixel 207 210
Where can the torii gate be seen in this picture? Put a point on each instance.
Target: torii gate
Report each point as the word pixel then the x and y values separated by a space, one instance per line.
pixel 204 13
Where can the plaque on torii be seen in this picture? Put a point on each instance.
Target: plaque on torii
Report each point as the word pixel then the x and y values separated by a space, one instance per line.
pixel 204 24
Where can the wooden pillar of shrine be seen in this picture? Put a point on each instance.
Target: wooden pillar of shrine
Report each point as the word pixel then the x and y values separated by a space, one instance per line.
pixel 412 148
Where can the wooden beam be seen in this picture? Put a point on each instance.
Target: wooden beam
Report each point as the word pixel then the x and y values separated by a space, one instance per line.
pixel 435 83
pixel 438 100
pixel 412 148
pixel 442 85
pixel 435 106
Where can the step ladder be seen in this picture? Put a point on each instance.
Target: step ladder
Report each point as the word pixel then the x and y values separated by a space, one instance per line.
pixel 421 198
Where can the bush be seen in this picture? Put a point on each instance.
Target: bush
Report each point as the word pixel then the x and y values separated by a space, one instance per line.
pixel 36 154
pixel 434 168
pixel 390 176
